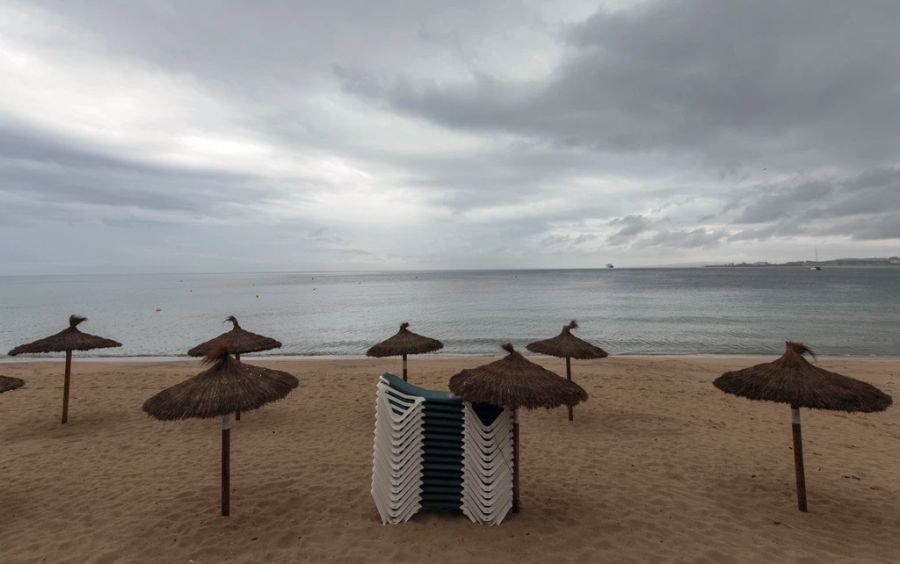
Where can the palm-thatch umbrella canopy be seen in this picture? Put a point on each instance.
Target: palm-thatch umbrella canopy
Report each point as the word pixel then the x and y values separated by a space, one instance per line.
pixel 227 386
pixel 513 382
pixel 794 380
pixel 568 346
pixel 405 342
pixel 68 340
pixel 8 383
pixel 239 341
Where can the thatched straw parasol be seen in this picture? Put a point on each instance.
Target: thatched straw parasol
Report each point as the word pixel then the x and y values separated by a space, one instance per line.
pixel 513 382
pixel 8 383
pixel 405 342
pixel 794 380
pixel 69 339
pixel 238 341
pixel 568 346
pixel 226 387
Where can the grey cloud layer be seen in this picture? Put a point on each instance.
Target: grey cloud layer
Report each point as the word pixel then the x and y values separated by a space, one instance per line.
pixel 513 134
pixel 731 81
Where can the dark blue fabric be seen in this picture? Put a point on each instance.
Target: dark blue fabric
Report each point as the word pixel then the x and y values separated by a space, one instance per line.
pixel 442 447
pixel 410 389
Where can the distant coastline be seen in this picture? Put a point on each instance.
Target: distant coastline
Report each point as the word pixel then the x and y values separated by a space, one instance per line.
pixel 874 261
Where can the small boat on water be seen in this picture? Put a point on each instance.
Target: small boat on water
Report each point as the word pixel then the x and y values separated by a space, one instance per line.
pixel 816 266
pixel 608 265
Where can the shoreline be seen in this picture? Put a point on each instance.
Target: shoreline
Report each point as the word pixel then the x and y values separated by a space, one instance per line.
pixel 430 357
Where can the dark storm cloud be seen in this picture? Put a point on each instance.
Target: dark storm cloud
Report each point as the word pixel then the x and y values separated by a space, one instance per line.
pixel 863 207
pixel 770 82
pixel 64 188
pixel 50 177
pixel 628 227
pixel 47 170
pixel 638 231
pixel 885 226
pixel 684 238
pixel 768 203
pixel 769 231
pixel 872 192
pixel 567 240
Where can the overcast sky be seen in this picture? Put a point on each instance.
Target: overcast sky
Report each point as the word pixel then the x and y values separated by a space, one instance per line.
pixel 268 136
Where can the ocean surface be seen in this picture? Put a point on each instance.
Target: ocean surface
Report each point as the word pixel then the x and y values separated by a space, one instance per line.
pixel 837 311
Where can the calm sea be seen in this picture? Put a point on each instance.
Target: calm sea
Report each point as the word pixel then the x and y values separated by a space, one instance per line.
pixel 838 311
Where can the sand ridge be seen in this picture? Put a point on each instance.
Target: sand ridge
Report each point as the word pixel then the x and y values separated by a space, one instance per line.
pixel 658 466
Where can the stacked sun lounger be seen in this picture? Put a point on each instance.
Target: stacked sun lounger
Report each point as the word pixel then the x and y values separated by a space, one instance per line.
pixel 433 451
pixel 487 463
pixel 397 465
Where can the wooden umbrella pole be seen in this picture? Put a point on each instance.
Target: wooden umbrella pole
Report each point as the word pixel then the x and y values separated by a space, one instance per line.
pixel 515 507
pixel 65 413
pixel 404 368
pixel 226 465
pixel 569 376
pixel 798 458
pixel 237 414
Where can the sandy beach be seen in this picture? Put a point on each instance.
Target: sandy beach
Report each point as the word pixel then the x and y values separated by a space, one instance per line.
pixel 657 466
